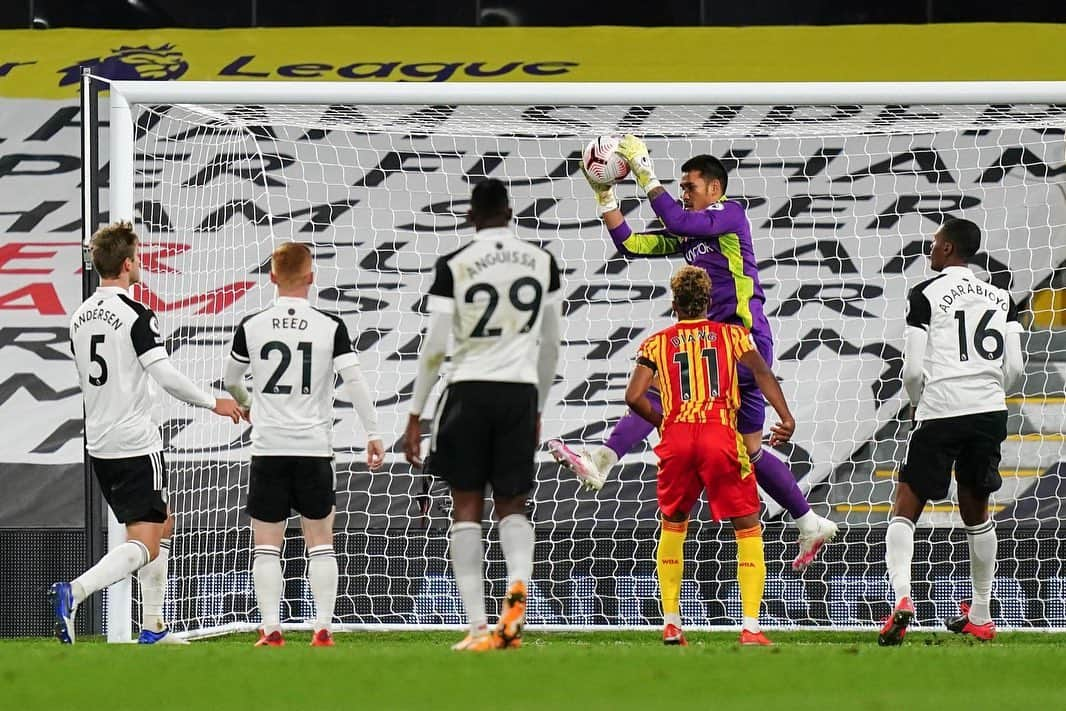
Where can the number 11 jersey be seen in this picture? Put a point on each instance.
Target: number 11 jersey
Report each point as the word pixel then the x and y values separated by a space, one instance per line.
pixel 293 351
pixel 967 321
pixel 696 365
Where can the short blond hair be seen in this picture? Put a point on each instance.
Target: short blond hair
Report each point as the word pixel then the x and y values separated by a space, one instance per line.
pixel 290 263
pixel 111 246
pixel 692 291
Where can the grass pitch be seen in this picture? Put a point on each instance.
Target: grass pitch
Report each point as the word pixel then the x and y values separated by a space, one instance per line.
pixel 806 670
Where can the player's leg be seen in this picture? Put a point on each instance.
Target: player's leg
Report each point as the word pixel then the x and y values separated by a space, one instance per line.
pixel 514 444
pixel 128 486
pixel 773 475
pixel 925 475
pixel 727 474
pixel 596 462
pixel 268 507
pixel 321 574
pixel 458 455
pixel 677 489
pixel 467 554
pixel 313 495
pixel 152 580
pixel 977 474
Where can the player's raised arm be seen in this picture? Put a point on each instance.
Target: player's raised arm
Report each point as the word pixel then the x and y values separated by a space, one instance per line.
pixel 346 363
pixel 720 218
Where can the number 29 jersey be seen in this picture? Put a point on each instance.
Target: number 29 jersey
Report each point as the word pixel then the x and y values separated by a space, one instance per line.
pixel 696 365
pixel 496 289
pixel 293 350
pixel 966 321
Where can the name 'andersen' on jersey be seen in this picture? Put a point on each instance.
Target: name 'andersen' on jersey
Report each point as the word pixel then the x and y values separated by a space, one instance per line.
pixel 496 288
pixel 114 340
pixel 293 351
pixel 967 321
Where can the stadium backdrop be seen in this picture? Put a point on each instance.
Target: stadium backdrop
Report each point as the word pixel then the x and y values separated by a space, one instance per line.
pixel 40 453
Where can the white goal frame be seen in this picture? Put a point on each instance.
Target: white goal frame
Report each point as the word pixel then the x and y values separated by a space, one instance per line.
pixel 125 96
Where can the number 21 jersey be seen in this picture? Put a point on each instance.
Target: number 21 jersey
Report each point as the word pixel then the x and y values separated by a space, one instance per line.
pixel 293 351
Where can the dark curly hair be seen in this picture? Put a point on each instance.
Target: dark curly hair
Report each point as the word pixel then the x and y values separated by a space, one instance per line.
pixel 692 292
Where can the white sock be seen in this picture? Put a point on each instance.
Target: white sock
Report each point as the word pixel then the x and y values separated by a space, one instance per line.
pixel 119 563
pixel 672 618
pixel 899 551
pixel 807 523
pixel 468 560
pixel 322 574
pixel 751 624
pixel 516 540
pixel 982 541
pixel 604 458
pixel 152 579
pixel 266 576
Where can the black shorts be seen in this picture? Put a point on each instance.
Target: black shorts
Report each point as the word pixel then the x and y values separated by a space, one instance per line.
pixel 280 485
pixel 485 433
pixel 134 487
pixel 970 443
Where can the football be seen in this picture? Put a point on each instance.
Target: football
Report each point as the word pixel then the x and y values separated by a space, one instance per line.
pixel 602 163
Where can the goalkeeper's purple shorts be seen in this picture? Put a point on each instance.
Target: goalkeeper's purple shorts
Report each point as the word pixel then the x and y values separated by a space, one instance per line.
pixel 751 415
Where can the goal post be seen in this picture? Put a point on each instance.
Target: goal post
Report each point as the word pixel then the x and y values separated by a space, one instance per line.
pixel 843 183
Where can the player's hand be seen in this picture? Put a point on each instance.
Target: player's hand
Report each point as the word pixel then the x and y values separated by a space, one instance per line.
pixel 636 154
pixel 412 442
pixel 246 414
pixel 375 453
pixel 605 197
pixel 782 431
pixel 227 407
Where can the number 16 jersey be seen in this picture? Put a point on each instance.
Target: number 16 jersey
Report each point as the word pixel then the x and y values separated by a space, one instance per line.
pixel 696 365
pixel 293 351
pixel 967 321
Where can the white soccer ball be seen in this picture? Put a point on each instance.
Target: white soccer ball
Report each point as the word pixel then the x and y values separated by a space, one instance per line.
pixel 602 163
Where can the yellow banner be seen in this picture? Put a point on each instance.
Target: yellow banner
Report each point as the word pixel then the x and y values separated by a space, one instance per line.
pixel 47 63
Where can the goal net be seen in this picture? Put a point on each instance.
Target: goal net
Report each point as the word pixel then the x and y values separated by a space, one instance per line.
pixel 842 199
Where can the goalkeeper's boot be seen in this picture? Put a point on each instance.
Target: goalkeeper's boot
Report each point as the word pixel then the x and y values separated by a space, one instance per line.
pixel 962 625
pixel 162 637
pixel 811 544
pixel 274 639
pixel 482 641
pixel 581 464
pixel 322 638
pixel 754 639
pixel 513 615
pixel 895 627
pixel 62 599
pixel 674 637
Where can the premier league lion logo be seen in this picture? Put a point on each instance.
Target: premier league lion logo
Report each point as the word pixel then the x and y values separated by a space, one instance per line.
pixel 155 63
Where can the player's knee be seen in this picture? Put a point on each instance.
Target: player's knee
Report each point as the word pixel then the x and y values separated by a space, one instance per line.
pixel 673 516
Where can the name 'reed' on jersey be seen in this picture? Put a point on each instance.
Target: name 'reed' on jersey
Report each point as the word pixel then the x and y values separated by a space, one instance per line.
pixel 495 288
pixel 114 339
pixel 966 320
pixel 293 351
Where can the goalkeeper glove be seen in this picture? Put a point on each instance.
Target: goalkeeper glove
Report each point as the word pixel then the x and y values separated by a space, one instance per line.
pixel 636 154
pixel 605 198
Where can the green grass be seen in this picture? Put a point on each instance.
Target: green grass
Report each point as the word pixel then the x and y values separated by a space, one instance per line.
pixel 806 670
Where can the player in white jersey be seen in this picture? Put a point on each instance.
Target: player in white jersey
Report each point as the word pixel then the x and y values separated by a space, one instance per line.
pixel 293 351
pixel 963 351
pixel 117 347
pixel 498 299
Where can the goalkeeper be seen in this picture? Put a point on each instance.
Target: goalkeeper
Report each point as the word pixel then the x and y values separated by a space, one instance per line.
pixel 712 233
